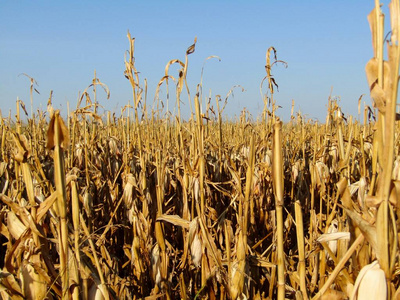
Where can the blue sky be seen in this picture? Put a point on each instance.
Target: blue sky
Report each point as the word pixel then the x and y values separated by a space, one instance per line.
pixel 325 43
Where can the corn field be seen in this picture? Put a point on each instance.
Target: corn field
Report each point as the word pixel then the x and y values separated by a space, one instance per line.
pixel 146 205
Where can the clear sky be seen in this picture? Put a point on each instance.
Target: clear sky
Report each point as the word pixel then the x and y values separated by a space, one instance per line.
pixel 326 44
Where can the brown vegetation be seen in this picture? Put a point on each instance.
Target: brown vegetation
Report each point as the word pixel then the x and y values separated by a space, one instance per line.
pixel 150 206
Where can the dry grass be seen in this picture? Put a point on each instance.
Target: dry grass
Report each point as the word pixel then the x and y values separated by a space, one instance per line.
pixel 147 205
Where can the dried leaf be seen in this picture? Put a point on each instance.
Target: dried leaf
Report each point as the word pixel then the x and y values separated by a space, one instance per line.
pixel 174 219
pixel 56 120
pixel 23 151
pixel 373 27
pixel 368 230
pixel 379 94
pixel 14 225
